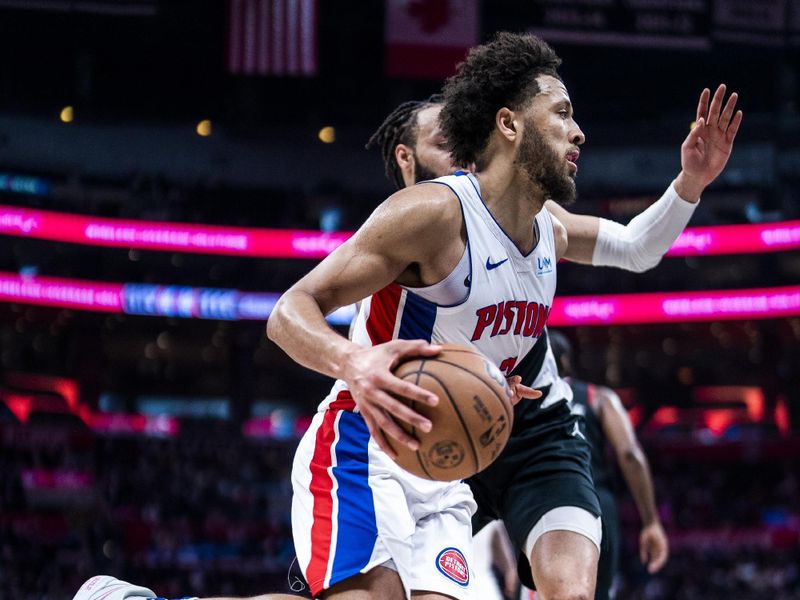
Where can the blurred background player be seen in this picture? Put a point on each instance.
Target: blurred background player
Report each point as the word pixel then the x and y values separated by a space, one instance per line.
pixel 494 564
pixel 608 424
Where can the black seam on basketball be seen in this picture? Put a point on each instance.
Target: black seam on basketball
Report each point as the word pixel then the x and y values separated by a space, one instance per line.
pixel 467 433
pixel 483 381
pixel 414 429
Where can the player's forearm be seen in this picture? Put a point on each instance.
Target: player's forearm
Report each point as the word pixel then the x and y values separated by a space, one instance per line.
pixel 636 472
pixel 297 324
pixel 640 245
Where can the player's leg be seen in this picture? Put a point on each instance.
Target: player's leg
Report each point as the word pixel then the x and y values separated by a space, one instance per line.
pixel 380 582
pixel 546 467
pixel 339 512
pixel 563 549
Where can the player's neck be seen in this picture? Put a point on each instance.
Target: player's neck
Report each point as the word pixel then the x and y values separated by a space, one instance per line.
pixel 513 200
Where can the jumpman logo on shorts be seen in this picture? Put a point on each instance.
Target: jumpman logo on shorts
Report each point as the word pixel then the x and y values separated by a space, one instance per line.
pixel 576 432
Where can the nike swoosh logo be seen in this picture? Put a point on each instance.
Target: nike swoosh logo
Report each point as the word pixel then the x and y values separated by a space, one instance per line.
pixel 490 265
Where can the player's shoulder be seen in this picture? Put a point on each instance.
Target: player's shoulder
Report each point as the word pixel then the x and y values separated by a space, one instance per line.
pixel 423 206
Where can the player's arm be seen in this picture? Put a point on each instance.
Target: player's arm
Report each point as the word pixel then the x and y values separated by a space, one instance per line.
pixel 640 245
pixel 402 231
pixel 653 545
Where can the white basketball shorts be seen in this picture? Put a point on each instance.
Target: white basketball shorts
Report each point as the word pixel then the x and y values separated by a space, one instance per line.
pixel 354 509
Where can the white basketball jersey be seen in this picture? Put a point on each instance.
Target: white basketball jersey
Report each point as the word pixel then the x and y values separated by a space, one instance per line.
pixel 505 313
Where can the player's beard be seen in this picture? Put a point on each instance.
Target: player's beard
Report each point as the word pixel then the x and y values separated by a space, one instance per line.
pixel 423 173
pixel 544 167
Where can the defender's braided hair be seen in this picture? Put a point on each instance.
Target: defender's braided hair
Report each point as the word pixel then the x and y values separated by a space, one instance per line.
pixel 400 127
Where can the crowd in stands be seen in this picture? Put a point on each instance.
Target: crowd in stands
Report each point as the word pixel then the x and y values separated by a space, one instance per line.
pixel 207 512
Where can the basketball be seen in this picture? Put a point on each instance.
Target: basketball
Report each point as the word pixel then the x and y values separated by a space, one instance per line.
pixel 471 422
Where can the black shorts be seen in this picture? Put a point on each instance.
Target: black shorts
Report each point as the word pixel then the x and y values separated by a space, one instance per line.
pixel 546 465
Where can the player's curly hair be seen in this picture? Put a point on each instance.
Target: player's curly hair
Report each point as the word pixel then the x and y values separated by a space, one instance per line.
pixel 400 127
pixel 500 73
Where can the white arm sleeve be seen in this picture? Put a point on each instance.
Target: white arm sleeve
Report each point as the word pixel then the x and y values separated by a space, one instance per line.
pixel 639 245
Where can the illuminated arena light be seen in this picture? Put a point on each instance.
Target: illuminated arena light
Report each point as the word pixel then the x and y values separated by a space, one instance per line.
pixel 234 305
pixel 296 243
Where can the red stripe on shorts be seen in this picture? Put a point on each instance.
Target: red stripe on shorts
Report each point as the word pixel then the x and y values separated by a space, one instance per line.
pixel 383 313
pixel 321 488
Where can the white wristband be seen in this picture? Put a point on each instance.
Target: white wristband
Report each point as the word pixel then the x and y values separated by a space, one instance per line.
pixel 639 245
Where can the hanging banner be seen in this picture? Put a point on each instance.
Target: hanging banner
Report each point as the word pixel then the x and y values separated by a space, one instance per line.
pixel 426 39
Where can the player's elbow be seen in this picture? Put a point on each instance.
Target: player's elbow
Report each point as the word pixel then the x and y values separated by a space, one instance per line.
pixel 643 261
pixel 276 319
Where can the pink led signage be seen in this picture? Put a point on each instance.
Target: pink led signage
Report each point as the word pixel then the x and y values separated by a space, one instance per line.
pixel 737 239
pixel 65 293
pixel 295 243
pixel 208 303
pixel 675 307
pixel 176 237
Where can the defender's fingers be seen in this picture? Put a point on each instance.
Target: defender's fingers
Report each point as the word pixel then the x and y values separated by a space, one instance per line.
pixel 702 104
pixel 734 126
pixel 527 392
pixel 716 105
pixel 725 118
pixel 696 132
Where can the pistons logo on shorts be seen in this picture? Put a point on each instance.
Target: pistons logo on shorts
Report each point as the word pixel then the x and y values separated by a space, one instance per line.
pixel 452 564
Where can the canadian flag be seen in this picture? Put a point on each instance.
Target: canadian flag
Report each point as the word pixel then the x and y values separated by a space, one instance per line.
pixel 426 38
pixel 272 37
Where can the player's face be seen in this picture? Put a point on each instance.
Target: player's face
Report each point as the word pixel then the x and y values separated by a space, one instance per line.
pixel 548 152
pixel 432 158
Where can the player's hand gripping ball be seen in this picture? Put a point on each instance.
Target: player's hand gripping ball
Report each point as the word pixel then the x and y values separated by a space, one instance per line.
pixel 472 421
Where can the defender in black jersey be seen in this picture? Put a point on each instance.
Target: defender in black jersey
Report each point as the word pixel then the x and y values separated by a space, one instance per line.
pixel 609 428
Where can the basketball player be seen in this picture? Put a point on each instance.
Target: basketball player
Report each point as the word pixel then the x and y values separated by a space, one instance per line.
pixel 409 141
pixel 363 527
pixel 607 422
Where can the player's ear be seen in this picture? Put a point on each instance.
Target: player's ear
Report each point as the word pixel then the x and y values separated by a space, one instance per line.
pixel 404 157
pixel 505 123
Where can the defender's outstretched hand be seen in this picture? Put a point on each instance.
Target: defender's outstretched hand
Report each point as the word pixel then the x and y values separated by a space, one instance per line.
pixel 706 150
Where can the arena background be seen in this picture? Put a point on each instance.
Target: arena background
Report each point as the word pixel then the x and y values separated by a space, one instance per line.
pixel 168 167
